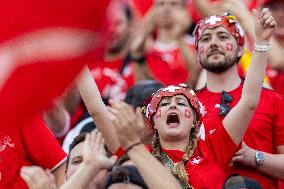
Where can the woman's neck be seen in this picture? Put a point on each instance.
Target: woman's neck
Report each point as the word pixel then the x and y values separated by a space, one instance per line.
pixel 174 144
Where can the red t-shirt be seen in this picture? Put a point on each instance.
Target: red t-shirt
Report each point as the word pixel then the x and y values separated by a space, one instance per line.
pixel 205 169
pixel 167 65
pixel 265 131
pixel 29 144
pixel 111 83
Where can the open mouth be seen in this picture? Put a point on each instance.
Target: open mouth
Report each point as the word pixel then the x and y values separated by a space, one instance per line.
pixel 172 119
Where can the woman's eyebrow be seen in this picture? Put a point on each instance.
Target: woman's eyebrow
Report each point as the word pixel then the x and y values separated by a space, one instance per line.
pixel 180 98
pixel 165 98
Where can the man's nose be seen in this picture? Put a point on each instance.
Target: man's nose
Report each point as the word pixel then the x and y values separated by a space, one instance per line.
pixel 214 42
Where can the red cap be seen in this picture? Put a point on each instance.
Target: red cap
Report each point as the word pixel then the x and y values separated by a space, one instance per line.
pixel 229 22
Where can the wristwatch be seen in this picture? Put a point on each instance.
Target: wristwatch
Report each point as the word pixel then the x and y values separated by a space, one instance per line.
pixel 259 158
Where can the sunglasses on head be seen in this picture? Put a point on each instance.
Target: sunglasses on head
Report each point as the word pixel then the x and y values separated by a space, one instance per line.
pixel 224 105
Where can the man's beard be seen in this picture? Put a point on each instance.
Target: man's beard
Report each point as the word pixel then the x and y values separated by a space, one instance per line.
pixel 219 67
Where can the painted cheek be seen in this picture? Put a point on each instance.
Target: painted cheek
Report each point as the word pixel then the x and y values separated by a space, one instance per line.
pixel 158 114
pixel 187 113
pixel 229 46
pixel 201 49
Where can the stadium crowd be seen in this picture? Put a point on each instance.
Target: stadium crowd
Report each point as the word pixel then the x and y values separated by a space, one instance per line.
pixel 178 94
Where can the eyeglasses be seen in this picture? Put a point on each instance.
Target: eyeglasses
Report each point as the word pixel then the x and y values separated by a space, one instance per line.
pixel 224 106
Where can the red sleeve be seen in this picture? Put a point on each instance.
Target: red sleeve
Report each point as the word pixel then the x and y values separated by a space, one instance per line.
pixel 278 131
pixel 221 145
pixel 119 153
pixel 41 146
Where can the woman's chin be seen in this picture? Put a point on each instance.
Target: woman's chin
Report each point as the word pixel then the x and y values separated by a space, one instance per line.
pixel 174 132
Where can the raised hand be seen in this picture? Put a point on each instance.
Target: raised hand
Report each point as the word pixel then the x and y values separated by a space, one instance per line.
pixel 144 30
pixel 182 22
pixel 128 123
pixel 37 178
pixel 264 26
pixel 94 153
pixel 150 20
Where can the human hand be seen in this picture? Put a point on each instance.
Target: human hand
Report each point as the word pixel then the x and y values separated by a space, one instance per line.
pixel 94 153
pixel 245 156
pixel 143 31
pixel 150 20
pixel 264 26
pixel 182 22
pixel 128 123
pixel 144 131
pixel 37 178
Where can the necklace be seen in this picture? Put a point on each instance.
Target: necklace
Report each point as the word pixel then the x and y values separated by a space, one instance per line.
pixel 177 169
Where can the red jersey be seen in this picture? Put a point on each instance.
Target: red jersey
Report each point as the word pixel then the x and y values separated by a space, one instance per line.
pixel 29 144
pixel 205 168
pixel 265 131
pixel 111 82
pixel 166 64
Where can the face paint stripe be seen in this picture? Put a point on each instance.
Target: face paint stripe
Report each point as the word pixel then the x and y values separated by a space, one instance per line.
pixel 201 49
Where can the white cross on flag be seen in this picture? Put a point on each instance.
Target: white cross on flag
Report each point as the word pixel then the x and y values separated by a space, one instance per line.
pixel 213 20
pixel 171 88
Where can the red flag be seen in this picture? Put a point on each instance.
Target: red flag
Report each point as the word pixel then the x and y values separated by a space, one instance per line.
pixel 47 43
pixel 142 6
pixel 43 46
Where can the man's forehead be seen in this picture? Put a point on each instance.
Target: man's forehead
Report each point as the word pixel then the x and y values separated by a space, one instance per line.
pixel 77 150
pixel 214 30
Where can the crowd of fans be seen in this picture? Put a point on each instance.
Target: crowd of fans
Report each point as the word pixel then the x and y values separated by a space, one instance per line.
pixel 176 100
